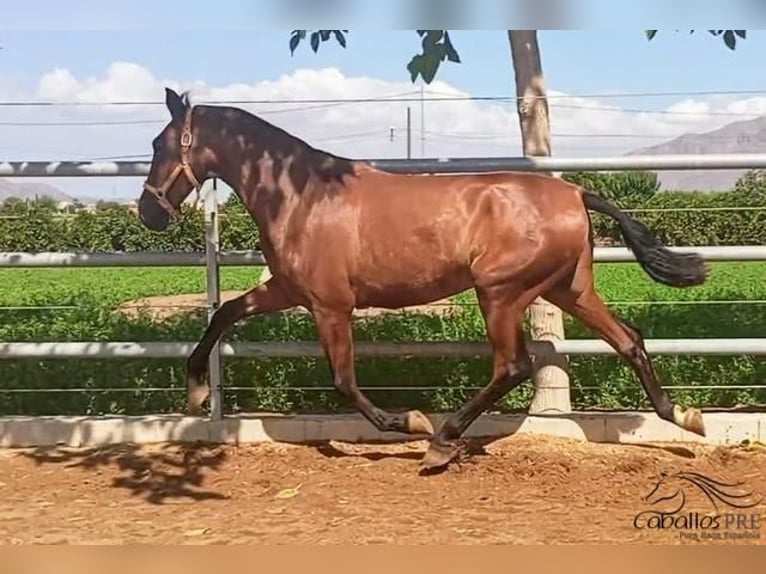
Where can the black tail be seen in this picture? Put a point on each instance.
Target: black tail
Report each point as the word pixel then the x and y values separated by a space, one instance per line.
pixel 662 265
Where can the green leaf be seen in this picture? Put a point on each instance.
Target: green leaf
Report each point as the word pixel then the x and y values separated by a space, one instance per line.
pixel 432 38
pixel 424 65
pixel 325 34
pixel 436 51
pixel 650 34
pixel 340 37
pixel 452 54
pixel 414 67
pixel 428 67
pixel 741 33
pixel 730 39
pixel 315 41
pixel 295 39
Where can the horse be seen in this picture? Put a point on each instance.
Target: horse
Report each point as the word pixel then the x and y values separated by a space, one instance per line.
pixel 340 234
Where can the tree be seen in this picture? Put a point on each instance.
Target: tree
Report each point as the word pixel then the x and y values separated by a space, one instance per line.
pixel 436 47
pixel 546 321
pixel 729 37
pixel 551 378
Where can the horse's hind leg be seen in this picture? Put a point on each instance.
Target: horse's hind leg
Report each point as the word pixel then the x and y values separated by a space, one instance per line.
pixel 503 314
pixel 334 329
pixel 584 304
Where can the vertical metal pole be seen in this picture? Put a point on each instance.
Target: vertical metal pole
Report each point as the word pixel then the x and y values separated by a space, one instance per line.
pixel 212 251
pixel 409 133
pixel 422 123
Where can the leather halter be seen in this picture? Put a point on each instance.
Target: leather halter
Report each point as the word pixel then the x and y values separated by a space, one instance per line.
pixel 160 193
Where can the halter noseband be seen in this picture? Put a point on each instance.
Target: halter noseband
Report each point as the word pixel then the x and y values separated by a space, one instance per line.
pixel 185 167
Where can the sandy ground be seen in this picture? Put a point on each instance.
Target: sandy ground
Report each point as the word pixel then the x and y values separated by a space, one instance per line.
pixel 521 489
pixel 166 306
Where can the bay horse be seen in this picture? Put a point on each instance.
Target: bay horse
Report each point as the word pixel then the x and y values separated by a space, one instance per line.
pixel 340 234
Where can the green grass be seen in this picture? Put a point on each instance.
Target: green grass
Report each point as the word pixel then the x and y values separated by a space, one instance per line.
pixel 111 286
pixel 272 383
pixel 621 282
pixel 107 286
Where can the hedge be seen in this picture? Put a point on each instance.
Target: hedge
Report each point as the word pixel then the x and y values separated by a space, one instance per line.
pixel 271 384
pixel 36 227
pixel 726 226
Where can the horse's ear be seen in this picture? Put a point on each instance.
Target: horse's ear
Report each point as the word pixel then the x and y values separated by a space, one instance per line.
pixel 175 104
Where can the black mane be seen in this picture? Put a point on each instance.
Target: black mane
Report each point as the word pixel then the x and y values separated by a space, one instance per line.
pixel 281 144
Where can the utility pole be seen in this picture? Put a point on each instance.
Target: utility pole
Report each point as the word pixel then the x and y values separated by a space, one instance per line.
pixel 422 123
pixel 409 133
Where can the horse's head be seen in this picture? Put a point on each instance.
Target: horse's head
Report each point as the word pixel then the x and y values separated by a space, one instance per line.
pixel 178 167
pixel 668 490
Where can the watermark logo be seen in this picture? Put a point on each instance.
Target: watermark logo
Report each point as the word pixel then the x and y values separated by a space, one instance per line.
pixel 700 508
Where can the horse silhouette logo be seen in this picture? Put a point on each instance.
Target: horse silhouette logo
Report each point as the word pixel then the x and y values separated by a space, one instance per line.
pixel 671 489
pixel 671 492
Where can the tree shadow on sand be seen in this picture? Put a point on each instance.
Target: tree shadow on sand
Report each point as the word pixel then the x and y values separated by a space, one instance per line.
pixel 172 471
pixel 469 447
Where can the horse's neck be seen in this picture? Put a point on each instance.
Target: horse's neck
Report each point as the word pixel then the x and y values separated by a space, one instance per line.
pixel 261 177
pixel 269 200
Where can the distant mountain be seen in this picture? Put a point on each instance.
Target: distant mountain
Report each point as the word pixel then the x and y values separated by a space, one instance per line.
pixel 747 136
pixel 31 190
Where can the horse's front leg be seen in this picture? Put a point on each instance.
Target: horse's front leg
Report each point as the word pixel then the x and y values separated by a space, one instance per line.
pixel 265 298
pixel 335 336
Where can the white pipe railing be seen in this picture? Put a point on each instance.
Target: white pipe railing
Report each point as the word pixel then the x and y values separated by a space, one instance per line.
pixel 138 259
pixel 428 165
pixel 297 349
pixel 245 258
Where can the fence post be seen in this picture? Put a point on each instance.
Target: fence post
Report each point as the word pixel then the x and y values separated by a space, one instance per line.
pixel 212 252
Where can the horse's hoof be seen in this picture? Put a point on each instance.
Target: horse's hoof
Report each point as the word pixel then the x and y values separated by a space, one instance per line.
pixel 418 423
pixel 689 419
pixel 438 456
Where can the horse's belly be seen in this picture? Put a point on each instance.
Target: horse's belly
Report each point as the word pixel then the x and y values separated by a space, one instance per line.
pixel 403 288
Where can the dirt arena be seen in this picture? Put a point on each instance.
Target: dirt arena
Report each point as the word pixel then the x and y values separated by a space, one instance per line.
pixel 522 489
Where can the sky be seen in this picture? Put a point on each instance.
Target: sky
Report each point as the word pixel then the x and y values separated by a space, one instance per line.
pixel 611 91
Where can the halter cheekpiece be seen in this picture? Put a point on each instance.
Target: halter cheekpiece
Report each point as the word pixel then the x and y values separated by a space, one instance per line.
pixel 184 167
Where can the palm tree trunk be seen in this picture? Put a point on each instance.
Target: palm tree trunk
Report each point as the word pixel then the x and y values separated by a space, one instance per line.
pixel 551 376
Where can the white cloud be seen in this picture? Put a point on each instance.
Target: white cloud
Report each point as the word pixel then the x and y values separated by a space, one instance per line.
pixel 581 126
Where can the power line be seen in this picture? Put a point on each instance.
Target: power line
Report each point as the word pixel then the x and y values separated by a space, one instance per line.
pixel 389 98
pixel 99 123
pixel 393 98
pixel 502 136
pixel 254 101
pixel 659 112
pixel 90 123
pixel 492 140
pixel 381 132
pixel 610 95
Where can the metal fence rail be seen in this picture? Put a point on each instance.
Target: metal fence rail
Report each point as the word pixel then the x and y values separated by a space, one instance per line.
pixel 296 349
pixel 428 165
pixel 243 258
pixel 213 259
